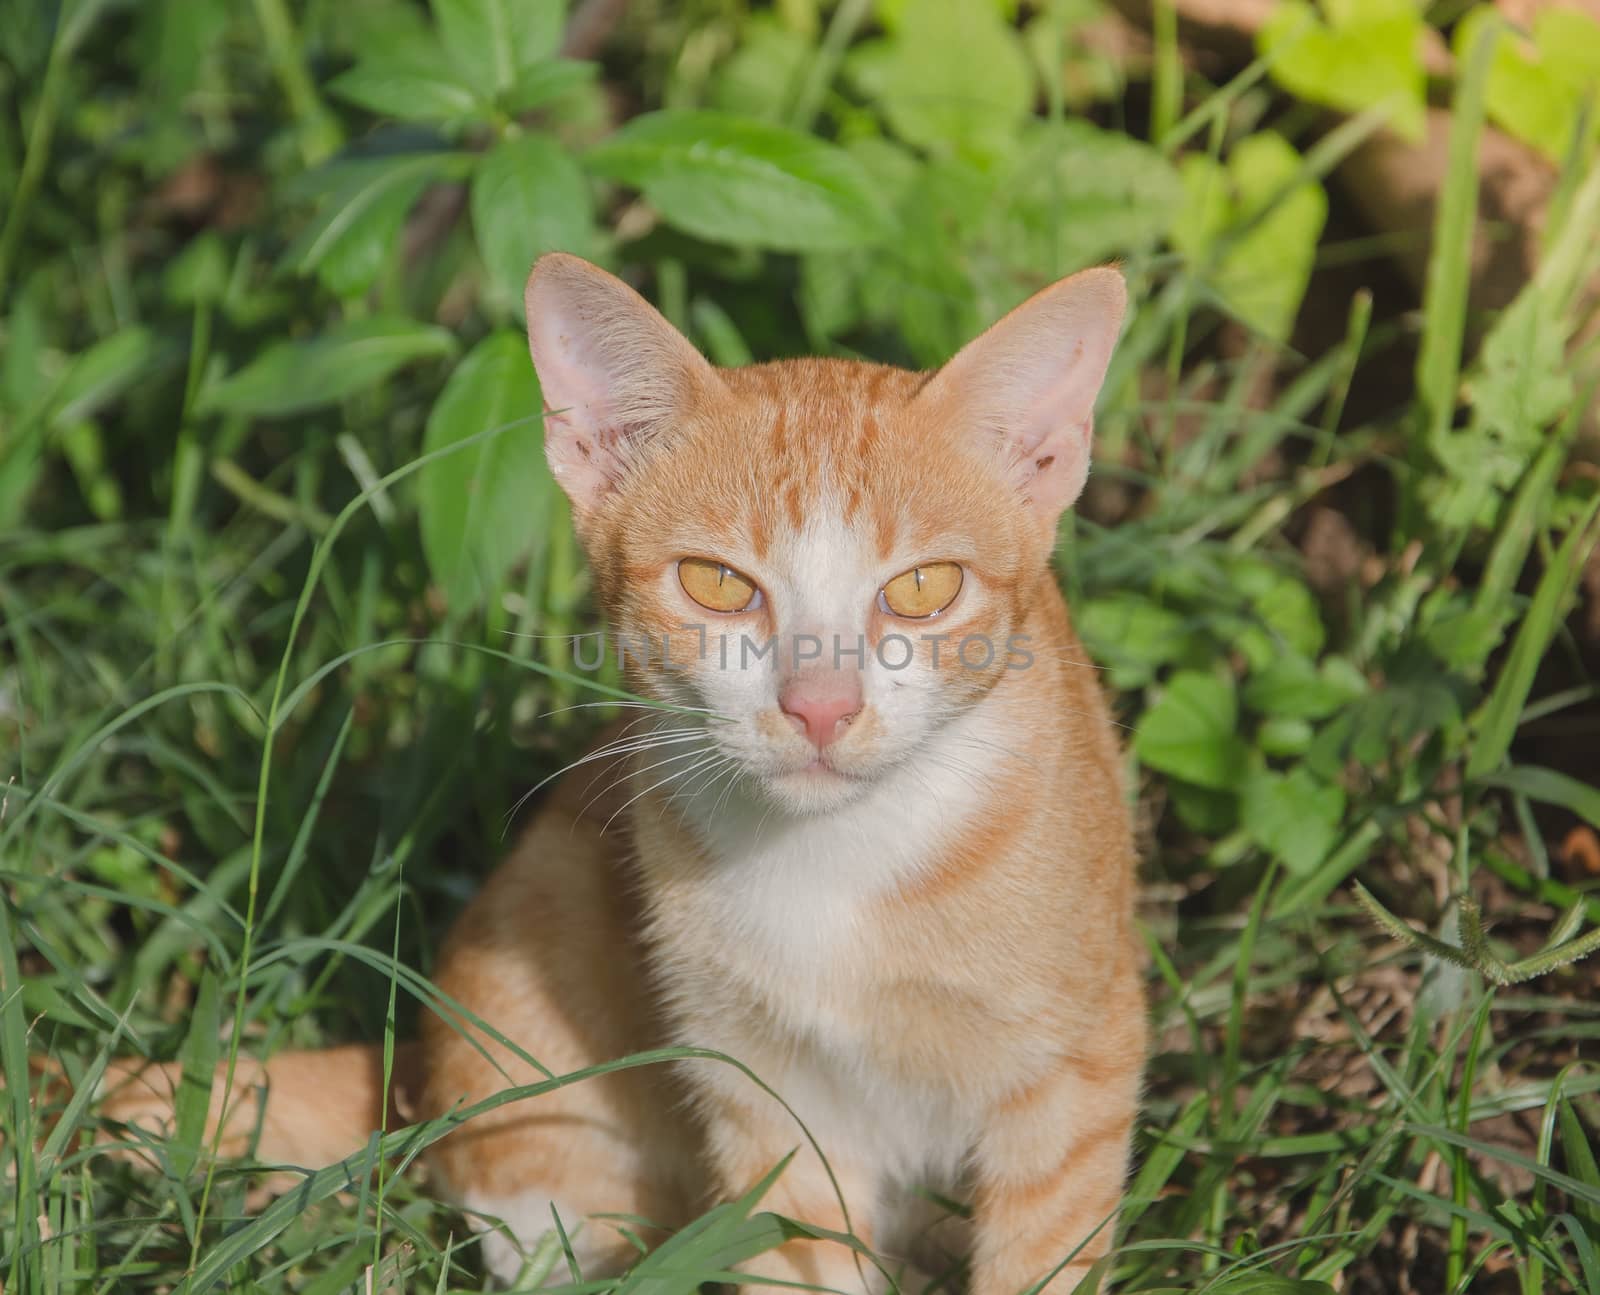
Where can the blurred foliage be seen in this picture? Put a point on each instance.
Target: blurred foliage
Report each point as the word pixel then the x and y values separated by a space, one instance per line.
pixel 286 585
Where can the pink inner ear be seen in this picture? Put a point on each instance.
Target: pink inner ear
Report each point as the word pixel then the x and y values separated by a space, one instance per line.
pixel 612 370
pixel 1032 379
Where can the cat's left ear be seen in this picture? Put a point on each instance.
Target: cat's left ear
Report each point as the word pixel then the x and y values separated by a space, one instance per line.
pixel 1029 384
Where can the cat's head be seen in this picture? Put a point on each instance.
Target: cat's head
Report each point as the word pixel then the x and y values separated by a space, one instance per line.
pixel 832 560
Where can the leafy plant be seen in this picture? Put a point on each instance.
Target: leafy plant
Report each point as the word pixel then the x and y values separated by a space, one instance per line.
pixel 286 592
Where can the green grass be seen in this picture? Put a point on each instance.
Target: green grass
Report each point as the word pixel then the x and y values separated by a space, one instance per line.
pixel 270 688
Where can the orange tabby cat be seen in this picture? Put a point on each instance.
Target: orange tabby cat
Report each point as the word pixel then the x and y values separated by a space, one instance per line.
pixel 877 850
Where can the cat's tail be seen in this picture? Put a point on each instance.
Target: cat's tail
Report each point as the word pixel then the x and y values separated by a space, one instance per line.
pixel 304 1109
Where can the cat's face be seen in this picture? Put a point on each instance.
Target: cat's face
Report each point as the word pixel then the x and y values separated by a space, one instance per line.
pixel 823 563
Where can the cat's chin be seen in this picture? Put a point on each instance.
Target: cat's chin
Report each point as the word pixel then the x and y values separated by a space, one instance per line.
pixel 816 788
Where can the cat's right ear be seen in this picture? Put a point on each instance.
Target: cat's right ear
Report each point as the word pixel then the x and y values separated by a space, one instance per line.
pixel 612 370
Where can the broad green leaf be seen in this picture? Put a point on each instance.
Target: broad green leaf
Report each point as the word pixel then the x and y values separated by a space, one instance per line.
pixel 950 78
pixel 1292 815
pixel 492 42
pixel 529 197
pixel 1259 241
pixel 1284 737
pixel 1540 82
pixel 1419 696
pixel 1286 607
pixel 1078 195
pixel 358 224
pixel 481 509
pixel 921 283
pixel 1354 55
pixel 291 377
pixel 1192 731
pixel 410 79
pixel 736 180
pixel 1133 635
pixel 1200 809
pixel 1291 686
pixel 548 80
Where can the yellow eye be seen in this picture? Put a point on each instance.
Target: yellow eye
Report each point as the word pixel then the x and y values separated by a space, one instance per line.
pixel 717 587
pixel 922 591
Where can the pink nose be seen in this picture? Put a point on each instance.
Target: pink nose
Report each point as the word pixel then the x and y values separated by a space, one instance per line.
pixel 820 708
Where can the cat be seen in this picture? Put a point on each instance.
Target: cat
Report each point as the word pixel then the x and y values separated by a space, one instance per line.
pixel 875 846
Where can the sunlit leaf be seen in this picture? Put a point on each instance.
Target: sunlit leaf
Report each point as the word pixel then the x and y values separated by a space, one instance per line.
pixel 1256 237
pixel 529 197
pixel 482 508
pixel 1293 815
pixel 1540 82
pixel 492 42
pixel 951 77
pixel 1192 731
pixel 1353 54
pixel 291 377
pixel 740 181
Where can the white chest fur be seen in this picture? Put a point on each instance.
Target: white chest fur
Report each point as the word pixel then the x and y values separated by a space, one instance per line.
pixel 774 951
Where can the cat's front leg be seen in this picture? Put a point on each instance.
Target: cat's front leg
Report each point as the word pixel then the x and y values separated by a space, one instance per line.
pixel 1050 1165
pixel 747 1133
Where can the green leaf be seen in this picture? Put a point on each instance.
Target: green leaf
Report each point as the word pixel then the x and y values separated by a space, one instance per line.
pixel 292 377
pixel 492 42
pixel 1580 1160
pixel 724 1236
pixel 1079 194
pixel 760 78
pixel 1496 723
pixel 1293 815
pixel 410 79
pixel 1284 737
pixel 1267 1283
pixel 199 273
pixel 1522 383
pixel 1291 686
pixel 1191 732
pixel 481 509
pixel 102 373
pixel 548 80
pixel 358 224
pixel 192 1102
pixel 529 197
pixel 1551 787
pixel 950 78
pixel 1367 52
pixel 1539 83
pixel 736 180
pixel 1133 636
pixel 1255 235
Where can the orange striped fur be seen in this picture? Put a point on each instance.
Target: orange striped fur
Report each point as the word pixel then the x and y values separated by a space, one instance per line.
pixel 912 919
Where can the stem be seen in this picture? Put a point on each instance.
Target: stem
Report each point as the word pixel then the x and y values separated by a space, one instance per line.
pixel 36 157
pixel 319 133
pixel 847 18
pixel 1455 1260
